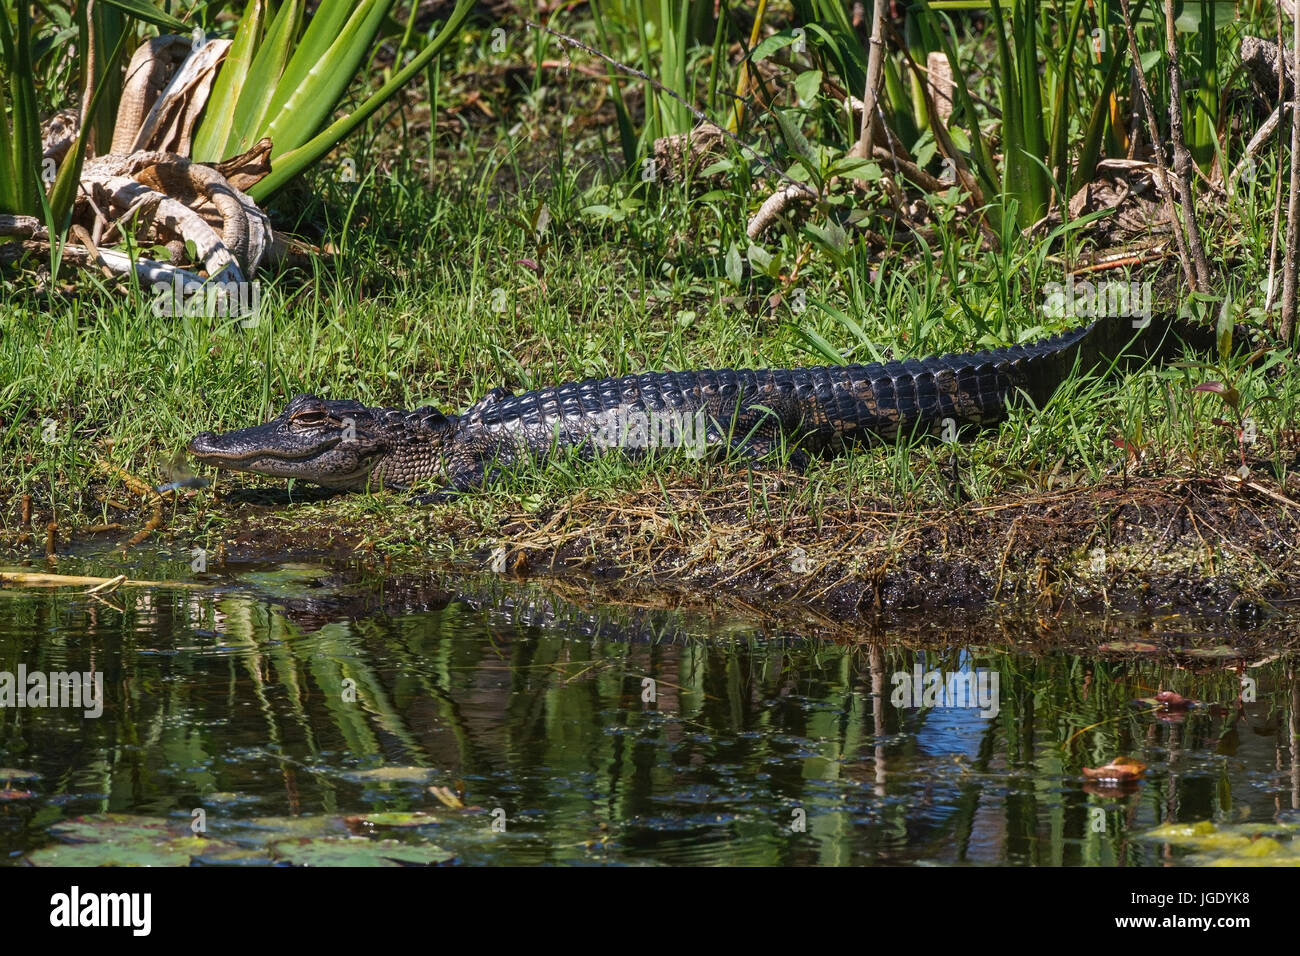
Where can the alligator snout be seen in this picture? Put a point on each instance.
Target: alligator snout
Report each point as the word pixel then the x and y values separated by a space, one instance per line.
pixel 201 443
pixel 212 447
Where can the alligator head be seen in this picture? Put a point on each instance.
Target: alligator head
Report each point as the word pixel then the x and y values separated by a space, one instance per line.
pixel 342 445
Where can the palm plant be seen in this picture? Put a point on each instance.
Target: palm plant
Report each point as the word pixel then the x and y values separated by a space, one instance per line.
pixel 284 81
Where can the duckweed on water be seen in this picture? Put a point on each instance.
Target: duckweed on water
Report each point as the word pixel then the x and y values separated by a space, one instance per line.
pixel 1241 844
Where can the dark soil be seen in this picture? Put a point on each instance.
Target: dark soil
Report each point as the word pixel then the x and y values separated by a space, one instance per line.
pixel 1210 547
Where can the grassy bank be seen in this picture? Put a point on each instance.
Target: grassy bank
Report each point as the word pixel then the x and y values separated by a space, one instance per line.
pixel 433 283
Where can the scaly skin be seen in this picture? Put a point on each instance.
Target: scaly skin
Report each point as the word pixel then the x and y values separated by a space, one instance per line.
pixel 346 445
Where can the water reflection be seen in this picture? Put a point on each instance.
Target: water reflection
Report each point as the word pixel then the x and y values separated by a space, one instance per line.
pixel 630 736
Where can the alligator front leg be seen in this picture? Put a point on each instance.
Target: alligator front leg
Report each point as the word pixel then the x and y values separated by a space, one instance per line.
pixel 472 470
pixel 462 482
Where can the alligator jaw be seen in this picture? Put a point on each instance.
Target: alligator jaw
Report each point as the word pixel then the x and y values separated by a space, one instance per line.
pixel 211 448
pixel 311 440
pixel 230 451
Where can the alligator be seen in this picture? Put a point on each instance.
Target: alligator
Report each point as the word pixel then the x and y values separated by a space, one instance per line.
pixel 753 413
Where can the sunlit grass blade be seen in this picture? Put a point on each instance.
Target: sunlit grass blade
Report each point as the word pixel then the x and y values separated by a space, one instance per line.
pixel 324 27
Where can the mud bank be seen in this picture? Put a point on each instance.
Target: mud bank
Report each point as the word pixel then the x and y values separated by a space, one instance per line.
pixel 1214 547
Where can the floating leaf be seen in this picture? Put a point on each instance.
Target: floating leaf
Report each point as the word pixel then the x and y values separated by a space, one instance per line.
pixel 448 797
pixel 1232 845
pixel 109 854
pixel 118 828
pixel 262 831
pixel 1175 832
pixel 98 854
pixel 390 775
pixel 1220 653
pixel 1169 700
pixel 357 851
pixel 1121 768
pixel 221 853
pixel 369 820
pixel 1128 647
pixel 1264 846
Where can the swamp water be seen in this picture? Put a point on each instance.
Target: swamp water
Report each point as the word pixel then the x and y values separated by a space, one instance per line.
pixel 314 714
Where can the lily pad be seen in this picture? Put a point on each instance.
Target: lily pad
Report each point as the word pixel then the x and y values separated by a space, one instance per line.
pixel 390 775
pixel 1269 829
pixel 1174 832
pixel 357 851
pixel 1128 647
pixel 395 819
pixel 1229 845
pixel 118 828
pixel 1254 861
pixel 1220 653
pixel 263 831
pixel 109 854
pixel 1264 846
pixel 221 853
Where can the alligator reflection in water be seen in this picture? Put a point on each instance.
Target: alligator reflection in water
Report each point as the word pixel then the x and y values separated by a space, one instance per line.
pixel 629 735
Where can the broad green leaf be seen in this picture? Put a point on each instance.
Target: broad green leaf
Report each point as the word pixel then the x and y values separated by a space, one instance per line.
pixel 146 11
pixel 796 140
pixel 770 45
pixel 294 162
pixel 807 85
pixel 735 266
pixel 311 100
pixel 109 854
pixel 219 114
pixel 264 76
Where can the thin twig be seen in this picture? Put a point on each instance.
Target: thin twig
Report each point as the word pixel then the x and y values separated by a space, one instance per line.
pixel 1183 158
pixel 1287 328
pixel 875 58
pixel 1153 129
pixel 1277 172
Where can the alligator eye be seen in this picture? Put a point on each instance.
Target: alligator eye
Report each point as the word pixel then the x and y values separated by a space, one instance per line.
pixel 309 419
